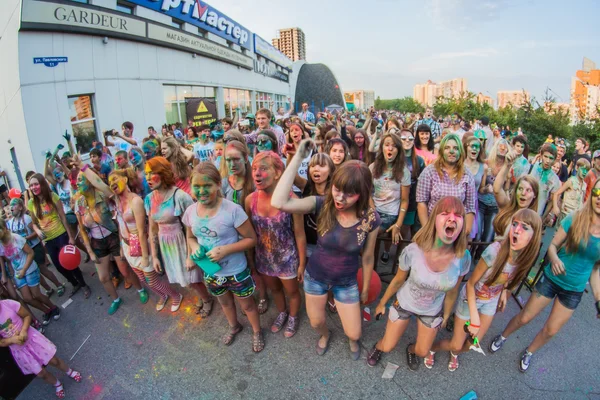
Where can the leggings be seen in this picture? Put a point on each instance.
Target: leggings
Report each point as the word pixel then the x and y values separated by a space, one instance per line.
pixel 75 277
pixel 158 285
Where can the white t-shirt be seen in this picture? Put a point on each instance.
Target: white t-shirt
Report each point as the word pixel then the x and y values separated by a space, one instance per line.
pixel 20 226
pixel 204 152
pixel 387 192
pixel 549 183
pixel 120 144
pixel 13 251
pixel 424 291
pixel 302 171
pixel 63 190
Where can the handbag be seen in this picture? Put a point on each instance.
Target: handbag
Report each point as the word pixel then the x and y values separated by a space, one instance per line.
pixel 135 247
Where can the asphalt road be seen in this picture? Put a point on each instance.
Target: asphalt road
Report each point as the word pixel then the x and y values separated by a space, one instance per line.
pixel 141 354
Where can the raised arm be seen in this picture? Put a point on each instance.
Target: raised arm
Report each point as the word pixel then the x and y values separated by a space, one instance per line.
pixel 92 177
pixel 499 193
pixel 281 196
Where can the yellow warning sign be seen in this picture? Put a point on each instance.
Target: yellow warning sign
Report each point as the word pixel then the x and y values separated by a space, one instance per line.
pixel 201 108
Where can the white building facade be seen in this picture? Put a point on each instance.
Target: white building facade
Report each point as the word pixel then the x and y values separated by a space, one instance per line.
pixel 86 68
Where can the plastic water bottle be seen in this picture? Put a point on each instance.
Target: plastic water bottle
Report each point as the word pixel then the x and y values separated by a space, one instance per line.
pixel 470 396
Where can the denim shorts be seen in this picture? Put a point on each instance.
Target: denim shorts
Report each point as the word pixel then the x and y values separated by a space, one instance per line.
pixel 387 220
pixel 240 285
pixel 549 289
pixel 347 294
pixel 485 308
pixel 31 279
pixel 399 313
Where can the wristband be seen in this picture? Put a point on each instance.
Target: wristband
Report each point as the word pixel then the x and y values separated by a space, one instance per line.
pixel 403 209
pixel 475 326
pixel 86 166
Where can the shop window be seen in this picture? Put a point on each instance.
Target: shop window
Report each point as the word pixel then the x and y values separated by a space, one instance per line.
pixel 125 8
pixel 174 100
pixel 83 121
pixel 236 98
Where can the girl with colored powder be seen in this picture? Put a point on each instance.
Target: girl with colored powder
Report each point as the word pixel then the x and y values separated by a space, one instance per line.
pixel 295 135
pixel 437 260
pixel 415 165
pixel 179 161
pixel 192 137
pixel 338 150
pixel 165 206
pixel 31 350
pixel 131 217
pixel 50 224
pixel 391 181
pixel 574 191
pixel 218 234
pixel 347 227
pixel 280 253
pixel 503 265
pixel 475 164
pixel 151 148
pixel 21 224
pixel 100 233
pixel 424 144
pixel 138 161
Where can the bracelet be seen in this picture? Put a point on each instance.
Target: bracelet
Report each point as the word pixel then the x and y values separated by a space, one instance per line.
pixel 403 209
pixel 475 326
pixel 86 166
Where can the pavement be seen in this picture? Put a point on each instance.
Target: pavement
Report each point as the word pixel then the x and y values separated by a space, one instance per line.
pixel 139 353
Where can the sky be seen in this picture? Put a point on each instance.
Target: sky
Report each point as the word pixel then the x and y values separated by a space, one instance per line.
pixel 390 45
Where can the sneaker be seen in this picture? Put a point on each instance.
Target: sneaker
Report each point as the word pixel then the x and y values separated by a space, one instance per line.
pixel 46 318
pixel 143 296
pixel 385 257
pixel 292 327
pixel 114 306
pixel 497 343
pixel 429 361
pixel 525 360
pixel 55 313
pixel 411 359
pixel 279 321
pixel 38 326
pixel 373 356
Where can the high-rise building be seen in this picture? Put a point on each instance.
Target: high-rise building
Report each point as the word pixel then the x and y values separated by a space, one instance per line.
pixel 427 93
pixel 585 92
pixel 483 99
pixel 361 99
pixel 291 42
pixel 516 98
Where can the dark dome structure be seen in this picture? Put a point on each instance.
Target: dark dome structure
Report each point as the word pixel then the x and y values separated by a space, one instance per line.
pixel 317 86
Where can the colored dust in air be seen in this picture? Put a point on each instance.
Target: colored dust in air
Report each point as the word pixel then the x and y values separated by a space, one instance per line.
pixel 126 322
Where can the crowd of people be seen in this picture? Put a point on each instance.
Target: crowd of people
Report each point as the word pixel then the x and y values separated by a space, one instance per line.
pixel 272 202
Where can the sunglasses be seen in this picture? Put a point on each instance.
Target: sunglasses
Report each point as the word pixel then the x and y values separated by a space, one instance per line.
pixel 262 142
pixel 229 139
pixel 596 192
pixel 405 138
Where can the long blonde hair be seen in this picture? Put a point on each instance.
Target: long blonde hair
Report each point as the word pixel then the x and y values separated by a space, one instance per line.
pixel 502 219
pixel 579 232
pixel 526 257
pixel 494 152
pixel 427 235
pixel 460 164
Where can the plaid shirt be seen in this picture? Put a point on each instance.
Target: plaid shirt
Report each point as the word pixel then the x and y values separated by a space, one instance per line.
pixel 436 129
pixel 432 188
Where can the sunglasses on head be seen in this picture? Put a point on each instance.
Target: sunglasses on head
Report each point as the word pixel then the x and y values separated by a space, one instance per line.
pixel 262 142
pixel 405 138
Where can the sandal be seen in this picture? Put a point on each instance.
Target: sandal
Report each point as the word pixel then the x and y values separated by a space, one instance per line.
pixel 75 289
pixel 207 308
pixel 332 307
pixel 198 307
pixel 49 292
pixel 60 290
pixel 75 375
pixel 228 338
pixel 453 363
pixel 87 292
pixel 60 391
pixel 429 360
pixel 292 327
pixel 258 342
pixel 263 306
pixel 175 304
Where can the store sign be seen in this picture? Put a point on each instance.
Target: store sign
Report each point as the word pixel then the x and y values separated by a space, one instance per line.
pixel 50 61
pixel 264 48
pixel 203 16
pixel 267 70
pixel 200 110
pixel 41 12
pixel 176 37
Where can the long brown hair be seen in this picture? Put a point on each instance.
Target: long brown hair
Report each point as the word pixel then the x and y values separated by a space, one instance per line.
pixel 351 177
pixel 503 218
pixel 426 236
pixel 133 180
pixel 45 195
pixel 579 233
pixel 248 186
pixel 180 166
pixel 414 158
pixel 380 164
pixel 526 257
pixel 208 169
pixel 321 159
pixel 439 162
pixel 466 141
pixel 355 150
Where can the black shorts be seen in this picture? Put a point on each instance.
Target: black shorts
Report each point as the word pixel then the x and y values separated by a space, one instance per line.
pixel 39 254
pixel 110 245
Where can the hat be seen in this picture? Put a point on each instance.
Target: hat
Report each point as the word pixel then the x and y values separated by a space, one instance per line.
pixel 596 154
pixel 250 116
pixel 480 134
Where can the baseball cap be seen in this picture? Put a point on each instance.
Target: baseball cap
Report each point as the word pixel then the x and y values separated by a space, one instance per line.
pixel 480 134
pixel 596 154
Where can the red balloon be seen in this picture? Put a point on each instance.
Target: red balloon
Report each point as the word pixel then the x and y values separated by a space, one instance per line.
pixel 14 193
pixel 69 257
pixel 374 285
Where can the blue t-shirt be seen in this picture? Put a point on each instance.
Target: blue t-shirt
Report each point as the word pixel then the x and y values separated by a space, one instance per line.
pixel 578 265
